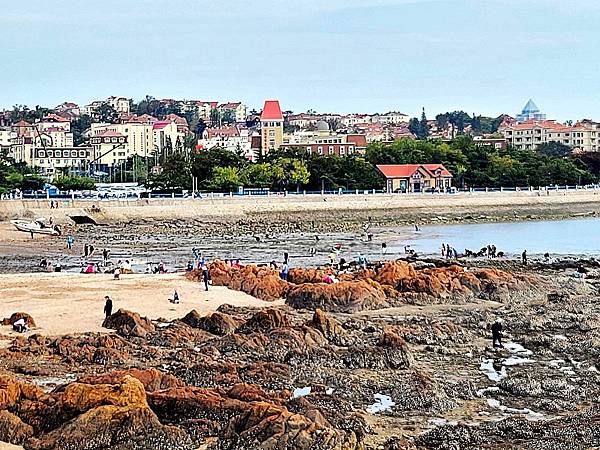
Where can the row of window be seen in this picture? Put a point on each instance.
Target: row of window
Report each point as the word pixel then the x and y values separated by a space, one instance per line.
pixel 62 153
pixel 331 149
pixel 114 140
pixel 58 162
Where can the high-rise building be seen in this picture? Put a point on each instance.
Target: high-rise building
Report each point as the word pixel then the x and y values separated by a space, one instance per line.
pixel 271 126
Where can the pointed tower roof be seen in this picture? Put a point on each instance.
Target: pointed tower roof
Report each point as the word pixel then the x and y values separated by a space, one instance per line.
pixel 530 108
pixel 271 111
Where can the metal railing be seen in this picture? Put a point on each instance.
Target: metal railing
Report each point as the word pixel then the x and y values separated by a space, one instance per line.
pixel 128 196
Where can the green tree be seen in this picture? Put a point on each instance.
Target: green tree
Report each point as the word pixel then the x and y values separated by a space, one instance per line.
pixel 260 175
pixel 227 117
pixel 75 183
pixel 79 126
pixel 554 149
pixel 175 174
pixel 215 117
pixel 423 126
pixel 225 179
pixel 107 113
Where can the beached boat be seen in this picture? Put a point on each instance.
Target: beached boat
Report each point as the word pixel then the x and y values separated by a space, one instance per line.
pixel 36 226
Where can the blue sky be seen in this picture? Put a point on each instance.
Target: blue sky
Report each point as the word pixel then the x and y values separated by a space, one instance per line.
pixel 483 56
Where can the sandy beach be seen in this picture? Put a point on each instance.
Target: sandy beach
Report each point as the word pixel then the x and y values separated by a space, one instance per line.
pixel 65 303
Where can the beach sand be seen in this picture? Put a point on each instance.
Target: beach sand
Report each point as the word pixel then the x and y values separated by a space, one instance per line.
pixel 73 303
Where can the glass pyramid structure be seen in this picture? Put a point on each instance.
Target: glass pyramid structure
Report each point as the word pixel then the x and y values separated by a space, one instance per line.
pixel 530 112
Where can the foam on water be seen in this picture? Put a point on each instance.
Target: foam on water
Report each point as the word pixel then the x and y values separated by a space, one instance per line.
pixel 487 367
pixel 302 392
pixel 383 403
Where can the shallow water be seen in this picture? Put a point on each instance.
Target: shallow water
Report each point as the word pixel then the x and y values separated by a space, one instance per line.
pixel 562 237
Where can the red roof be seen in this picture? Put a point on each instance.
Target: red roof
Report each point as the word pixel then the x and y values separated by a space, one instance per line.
pixel 230 105
pixel 223 132
pixel 359 140
pixel 110 133
pixel 271 111
pixel 407 170
pixel 160 125
pixel 56 118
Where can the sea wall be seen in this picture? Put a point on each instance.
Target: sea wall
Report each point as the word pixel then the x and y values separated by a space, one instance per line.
pixel 331 207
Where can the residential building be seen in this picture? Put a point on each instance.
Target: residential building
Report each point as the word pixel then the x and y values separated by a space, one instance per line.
pixel 392 118
pixel 143 136
pixel 530 112
pixel 119 104
pixel 236 109
pixel 68 110
pixel 53 161
pixel 271 126
pixel 231 138
pixel 583 136
pixel 490 143
pixel 412 178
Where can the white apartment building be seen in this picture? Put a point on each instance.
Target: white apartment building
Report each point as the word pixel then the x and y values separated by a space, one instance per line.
pixel 238 110
pixel 392 117
pixel 119 104
pixel 142 136
pixel 583 136
pixel 231 138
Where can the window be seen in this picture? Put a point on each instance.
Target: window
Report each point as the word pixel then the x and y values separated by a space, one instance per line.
pixel 351 148
pixel 41 153
pixel 58 154
pixel 331 149
pixel 320 149
pixel 342 150
pixel 308 148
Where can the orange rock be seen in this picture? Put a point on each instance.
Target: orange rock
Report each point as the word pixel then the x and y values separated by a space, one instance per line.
pixel 17 316
pixel 83 397
pixel 152 379
pixel 345 296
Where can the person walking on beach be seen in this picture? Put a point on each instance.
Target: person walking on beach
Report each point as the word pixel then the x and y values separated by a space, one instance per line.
pixel 107 306
pixel 105 255
pixel 443 250
pixel 524 257
pixel 497 333
pixel 205 274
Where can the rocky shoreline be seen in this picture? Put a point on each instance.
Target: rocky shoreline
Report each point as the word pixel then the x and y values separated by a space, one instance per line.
pixel 394 357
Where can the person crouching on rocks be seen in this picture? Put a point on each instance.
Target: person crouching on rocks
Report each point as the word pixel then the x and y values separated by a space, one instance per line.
pixel 497 333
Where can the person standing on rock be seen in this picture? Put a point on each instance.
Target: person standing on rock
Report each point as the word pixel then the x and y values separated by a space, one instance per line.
pixel 105 254
pixel 70 241
pixel 108 306
pixel 524 257
pixel 86 250
pixel 497 333
pixel 284 271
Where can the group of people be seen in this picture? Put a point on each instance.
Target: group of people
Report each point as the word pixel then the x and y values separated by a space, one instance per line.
pixel 448 252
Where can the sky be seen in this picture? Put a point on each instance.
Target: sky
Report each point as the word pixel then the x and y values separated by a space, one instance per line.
pixel 483 56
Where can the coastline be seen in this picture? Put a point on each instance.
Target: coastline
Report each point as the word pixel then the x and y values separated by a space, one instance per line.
pixel 320 212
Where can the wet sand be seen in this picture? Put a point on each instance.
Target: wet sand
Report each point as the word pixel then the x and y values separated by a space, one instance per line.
pixel 73 303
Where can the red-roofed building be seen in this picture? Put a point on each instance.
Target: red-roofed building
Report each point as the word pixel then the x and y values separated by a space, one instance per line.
pixel 409 178
pixel 530 134
pixel 236 109
pixel 271 126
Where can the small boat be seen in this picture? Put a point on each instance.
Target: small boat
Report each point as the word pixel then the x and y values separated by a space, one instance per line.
pixel 36 226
